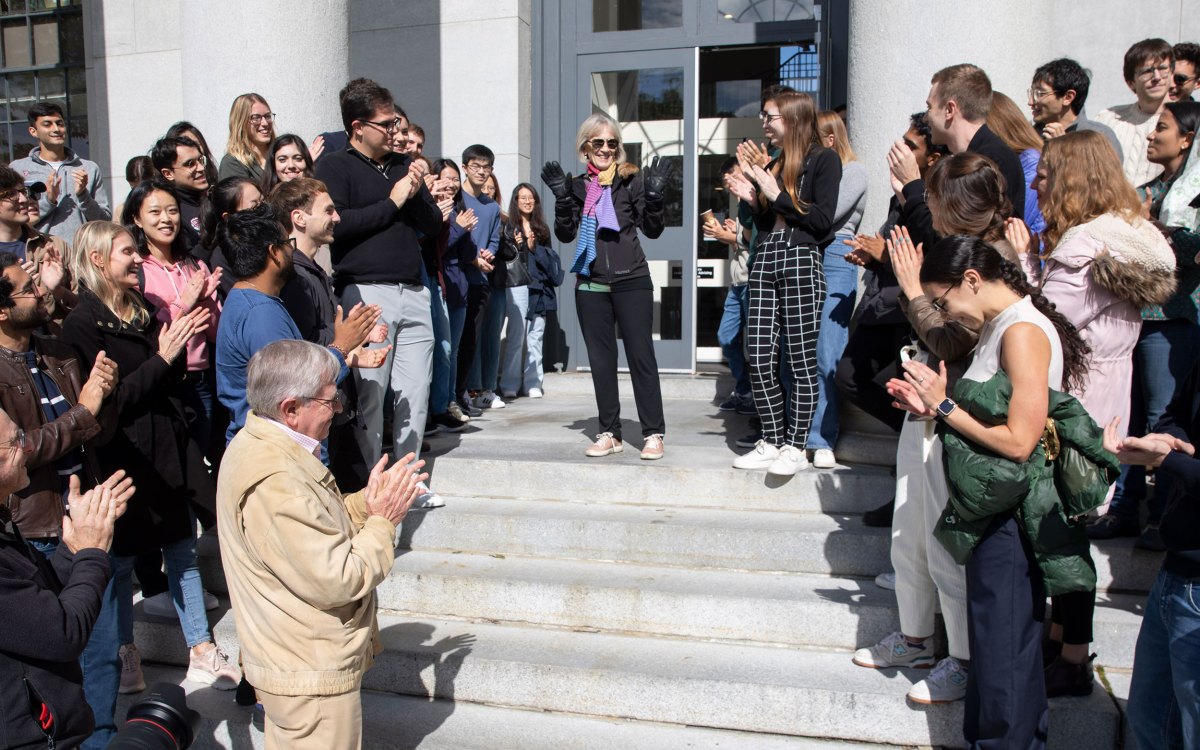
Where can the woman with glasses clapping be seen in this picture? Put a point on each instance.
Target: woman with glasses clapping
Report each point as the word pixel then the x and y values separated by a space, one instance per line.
pixel 251 131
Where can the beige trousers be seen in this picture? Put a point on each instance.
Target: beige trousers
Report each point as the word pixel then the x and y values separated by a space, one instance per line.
pixel 312 722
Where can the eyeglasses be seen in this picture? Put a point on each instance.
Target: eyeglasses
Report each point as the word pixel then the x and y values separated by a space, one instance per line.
pixel 337 404
pixel 14 196
pixel 1036 95
pixel 766 116
pixel 27 292
pixel 20 441
pixel 1147 73
pixel 258 119
pixel 479 168
pixel 190 164
pixel 387 127
pixel 598 143
pixel 939 304
pixel 1181 80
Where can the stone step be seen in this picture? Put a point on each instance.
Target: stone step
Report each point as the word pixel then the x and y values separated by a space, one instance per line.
pixel 393 722
pixel 790 609
pixel 706 386
pixel 780 691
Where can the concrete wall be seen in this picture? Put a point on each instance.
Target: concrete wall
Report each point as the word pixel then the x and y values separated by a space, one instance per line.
pixel 889 77
pixel 134 78
pixel 459 68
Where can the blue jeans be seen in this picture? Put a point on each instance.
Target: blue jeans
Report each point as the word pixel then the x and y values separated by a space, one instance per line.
pixel 729 336
pixel 1165 353
pixel 100 662
pixel 1164 696
pixel 841 287
pixel 187 592
pixel 515 307
pixel 198 406
pixel 458 320
pixel 535 331
pixel 487 349
pixel 441 386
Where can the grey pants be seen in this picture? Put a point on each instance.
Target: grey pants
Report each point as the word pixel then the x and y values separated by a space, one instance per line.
pixel 408 369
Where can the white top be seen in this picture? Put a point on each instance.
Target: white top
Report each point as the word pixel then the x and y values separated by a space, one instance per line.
pixel 1132 127
pixel 986 361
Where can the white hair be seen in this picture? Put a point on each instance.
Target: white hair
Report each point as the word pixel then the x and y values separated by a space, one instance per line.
pixel 288 369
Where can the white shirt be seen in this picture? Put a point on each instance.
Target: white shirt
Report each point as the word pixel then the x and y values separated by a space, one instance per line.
pixel 305 442
pixel 1133 127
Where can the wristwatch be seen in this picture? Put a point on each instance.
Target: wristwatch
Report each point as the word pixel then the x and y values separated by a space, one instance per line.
pixel 945 408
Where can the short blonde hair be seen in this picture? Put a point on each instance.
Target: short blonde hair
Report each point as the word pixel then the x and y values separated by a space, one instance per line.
pixel 591 127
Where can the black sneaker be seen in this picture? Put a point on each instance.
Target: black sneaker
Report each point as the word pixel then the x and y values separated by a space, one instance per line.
pixel 1151 539
pixel 448 423
pixel 1111 526
pixel 746 408
pixel 881 517
pixel 749 441
pixel 245 694
pixel 468 409
pixel 1065 678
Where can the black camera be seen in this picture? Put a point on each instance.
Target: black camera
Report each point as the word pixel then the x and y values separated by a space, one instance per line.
pixel 162 721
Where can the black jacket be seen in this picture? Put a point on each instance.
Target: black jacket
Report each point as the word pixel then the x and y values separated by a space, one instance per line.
pixel 915 213
pixel 880 303
pixel 1180 525
pixel 619 255
pixel 189 213
pixel 818 187
pixel 374 243
pixel 308 297
pixel 50 607
pixel 151 442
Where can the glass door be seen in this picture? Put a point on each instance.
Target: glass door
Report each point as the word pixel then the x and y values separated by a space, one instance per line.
pixel 652 95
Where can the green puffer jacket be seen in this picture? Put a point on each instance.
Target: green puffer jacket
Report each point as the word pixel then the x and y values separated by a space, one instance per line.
pixel 1046 496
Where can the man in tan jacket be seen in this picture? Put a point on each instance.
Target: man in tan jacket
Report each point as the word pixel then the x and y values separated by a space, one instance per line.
pixel 302 560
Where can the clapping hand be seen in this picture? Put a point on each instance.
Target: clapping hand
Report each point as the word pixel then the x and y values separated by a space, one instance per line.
pixel 101 382
pixel 750 154
pixel 766 182
pixel 391 492
pixel 865 249
pixel 1150 450
pixel 317 148
pixel 368 359
pixel 741 187
pixel 906 262
pixel 93 514
pixel 172 338
pixel 351 332
pixel 1019 236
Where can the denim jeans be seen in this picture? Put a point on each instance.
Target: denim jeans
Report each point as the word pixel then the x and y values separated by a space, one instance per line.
pixel 187 592
pixel 441 386
pixel 1164 696
pixel 100 661
pixel 535 332
pixel 458 320
pixel 1165 353
pixel 841 287
pixel 485 368
pixel 515 307
pixel 729 336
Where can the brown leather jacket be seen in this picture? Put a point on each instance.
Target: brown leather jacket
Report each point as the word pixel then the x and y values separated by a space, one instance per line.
pixel 38 509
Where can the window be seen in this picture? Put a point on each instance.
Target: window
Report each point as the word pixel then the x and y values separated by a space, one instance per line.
pixel 41 59
pixel 632 15
pixel 765 11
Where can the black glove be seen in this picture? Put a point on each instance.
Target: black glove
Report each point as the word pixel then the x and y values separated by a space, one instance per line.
pixel 559 183
pixel 657 176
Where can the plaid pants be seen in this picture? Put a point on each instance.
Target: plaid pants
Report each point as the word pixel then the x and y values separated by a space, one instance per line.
pixel 787 289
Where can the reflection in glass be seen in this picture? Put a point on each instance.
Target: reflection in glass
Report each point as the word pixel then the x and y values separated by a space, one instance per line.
pixel 45 41
pixel 646 94
pixel 765 11
pixel 632 15
pixel 667 278
pixel 16 44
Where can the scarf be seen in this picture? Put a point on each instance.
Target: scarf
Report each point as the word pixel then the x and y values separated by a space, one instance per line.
pixel 1175 211
pixel 598 213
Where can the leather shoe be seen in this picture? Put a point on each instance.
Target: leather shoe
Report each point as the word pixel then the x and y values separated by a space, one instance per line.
pixel 881 517
pixel 1110 526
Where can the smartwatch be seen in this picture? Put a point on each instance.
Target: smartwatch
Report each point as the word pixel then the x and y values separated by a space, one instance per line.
pixel 945 408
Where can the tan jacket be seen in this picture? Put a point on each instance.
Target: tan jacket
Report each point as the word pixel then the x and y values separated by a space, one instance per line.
pixel 302 562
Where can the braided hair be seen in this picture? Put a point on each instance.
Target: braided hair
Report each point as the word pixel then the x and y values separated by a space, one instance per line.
pixel 951 257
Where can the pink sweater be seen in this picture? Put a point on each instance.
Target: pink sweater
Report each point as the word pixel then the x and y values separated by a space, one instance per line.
pixel 164 283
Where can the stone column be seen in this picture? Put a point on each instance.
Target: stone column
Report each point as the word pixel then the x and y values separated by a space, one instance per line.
pixel 295 53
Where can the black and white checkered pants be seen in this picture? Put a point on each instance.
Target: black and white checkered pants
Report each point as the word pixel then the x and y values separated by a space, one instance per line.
pixel 787 289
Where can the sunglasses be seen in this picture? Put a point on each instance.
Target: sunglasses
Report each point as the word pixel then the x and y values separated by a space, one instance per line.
pixel 1181 80
pixel 612 143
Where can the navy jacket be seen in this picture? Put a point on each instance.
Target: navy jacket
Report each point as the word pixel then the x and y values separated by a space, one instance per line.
pixel 1180 525
pixel 545 275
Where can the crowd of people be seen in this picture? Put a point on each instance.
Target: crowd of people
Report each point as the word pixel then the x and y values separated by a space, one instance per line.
pixel 262 345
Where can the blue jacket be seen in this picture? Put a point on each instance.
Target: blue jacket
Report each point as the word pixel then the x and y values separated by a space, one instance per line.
pixel 545 274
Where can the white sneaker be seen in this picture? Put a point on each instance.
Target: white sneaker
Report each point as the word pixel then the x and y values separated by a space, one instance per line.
pixel 213 668
pixel 427 499
pixel 791 459
pixel 886 581
pixel 895 651
pixel 488 400
pixel 823 458
pixel 762 457
pixel 535 393
pixel 945 684
pixel 161 605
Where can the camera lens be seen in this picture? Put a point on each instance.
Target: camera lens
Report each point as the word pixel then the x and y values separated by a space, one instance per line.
pixel 162 721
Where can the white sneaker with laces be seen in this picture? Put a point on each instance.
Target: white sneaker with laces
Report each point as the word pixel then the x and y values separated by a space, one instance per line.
pixel 535 393
pixel 886 581
pixel 213 668
pixel 945 684
pixel 488 400
pixel 790 460
pixel 823 458
pixel 427 499
pixel 895 651
pixel 762 457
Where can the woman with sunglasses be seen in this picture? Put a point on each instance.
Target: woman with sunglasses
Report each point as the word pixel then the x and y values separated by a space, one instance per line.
pixel 794 201
pixel 605 207
pixel 251 131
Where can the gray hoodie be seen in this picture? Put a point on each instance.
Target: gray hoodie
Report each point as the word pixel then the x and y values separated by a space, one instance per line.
pixel 63 218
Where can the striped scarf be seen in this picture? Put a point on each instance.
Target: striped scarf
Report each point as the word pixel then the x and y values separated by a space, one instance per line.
pixel 598 213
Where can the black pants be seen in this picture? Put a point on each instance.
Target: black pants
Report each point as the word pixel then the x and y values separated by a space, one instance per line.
pixel 1006 687
pixel 631 306
pixel 871 359
pixel 477 299
pixel 1074 611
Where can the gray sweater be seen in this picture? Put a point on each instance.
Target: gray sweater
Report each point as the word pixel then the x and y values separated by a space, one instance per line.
pixel 70 212
pixel 852 199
